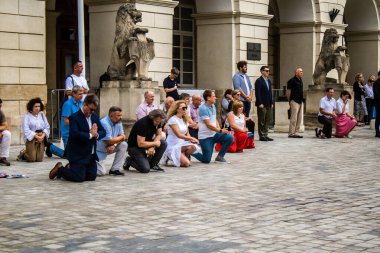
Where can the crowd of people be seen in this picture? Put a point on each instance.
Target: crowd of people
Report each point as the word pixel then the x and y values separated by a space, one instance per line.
pixel 182 128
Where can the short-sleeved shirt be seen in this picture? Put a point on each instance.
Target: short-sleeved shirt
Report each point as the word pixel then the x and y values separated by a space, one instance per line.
pixel 76 80
pixel 2 117
pixel 327 104
pixel 206 112
pixel 339 107
pixel 168 84
pixel 69 107
pixel 144 127
pixel 295 86
pixel 112 131
pixel 144 109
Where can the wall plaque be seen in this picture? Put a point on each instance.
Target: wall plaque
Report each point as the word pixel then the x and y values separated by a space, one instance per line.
pixel 253 51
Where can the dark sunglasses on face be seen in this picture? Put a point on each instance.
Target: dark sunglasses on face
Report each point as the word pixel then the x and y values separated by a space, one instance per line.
pixel 266 70
pixel 184 108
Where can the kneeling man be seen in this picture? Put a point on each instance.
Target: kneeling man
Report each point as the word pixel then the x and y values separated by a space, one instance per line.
pixel 85 130
pixel 113 142
pixel 145 144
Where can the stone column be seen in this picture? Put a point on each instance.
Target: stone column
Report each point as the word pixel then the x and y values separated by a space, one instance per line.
pixel 22 59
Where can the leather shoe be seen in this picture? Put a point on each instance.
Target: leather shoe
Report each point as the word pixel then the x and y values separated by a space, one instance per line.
pixel 268 138
pixel 263 138
pixel 127 163
pixel 157 168
pixel 54 172
pixel 48 151
pixel 116 173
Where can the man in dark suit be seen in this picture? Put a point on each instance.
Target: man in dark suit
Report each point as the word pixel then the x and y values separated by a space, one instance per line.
pixel 376 99
pixel 264 103
pixel 85 129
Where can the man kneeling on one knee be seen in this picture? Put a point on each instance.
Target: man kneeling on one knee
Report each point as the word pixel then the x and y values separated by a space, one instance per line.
pixel 145 144
pixel 113 142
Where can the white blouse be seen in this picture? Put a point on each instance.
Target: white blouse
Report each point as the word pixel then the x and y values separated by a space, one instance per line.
pixel 31 123
pixel 339 106
pixel 239 120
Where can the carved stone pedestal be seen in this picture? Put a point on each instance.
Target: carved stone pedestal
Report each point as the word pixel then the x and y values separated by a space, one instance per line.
pixel 127 95
pixel 314 95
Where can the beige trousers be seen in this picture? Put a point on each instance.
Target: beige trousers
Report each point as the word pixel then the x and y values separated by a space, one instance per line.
pixel 34 151
pixel 296 116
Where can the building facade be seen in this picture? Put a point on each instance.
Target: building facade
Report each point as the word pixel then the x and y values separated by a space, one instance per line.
pixel 204 39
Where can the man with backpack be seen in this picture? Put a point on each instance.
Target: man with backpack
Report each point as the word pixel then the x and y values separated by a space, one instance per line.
pixel 76 79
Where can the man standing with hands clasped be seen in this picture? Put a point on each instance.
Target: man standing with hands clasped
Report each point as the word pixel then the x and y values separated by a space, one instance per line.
pixel 294 93
pixel 242 83
pixel 264 103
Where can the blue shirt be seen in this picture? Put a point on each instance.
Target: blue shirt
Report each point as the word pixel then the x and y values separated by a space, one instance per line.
pixel 239 83
pixel 69 107
pixel 112 131
pixel 206 112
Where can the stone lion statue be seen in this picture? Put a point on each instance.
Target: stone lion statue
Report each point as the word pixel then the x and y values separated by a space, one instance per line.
pixel 331 57
pixel 126 19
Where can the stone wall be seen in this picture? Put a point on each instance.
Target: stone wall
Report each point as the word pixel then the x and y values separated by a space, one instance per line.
pixel 22 58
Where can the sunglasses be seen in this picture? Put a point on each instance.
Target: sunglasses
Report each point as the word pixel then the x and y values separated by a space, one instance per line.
pixel 266 70
pixel 183 108
pixel 238 94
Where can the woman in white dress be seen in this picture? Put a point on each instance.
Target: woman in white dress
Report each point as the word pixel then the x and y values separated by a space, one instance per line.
pixel 180 144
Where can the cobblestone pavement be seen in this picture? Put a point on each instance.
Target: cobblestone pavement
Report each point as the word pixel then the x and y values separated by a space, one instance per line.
pixel 290 195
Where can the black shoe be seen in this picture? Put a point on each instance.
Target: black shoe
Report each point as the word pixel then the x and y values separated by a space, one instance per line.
pixel 268 138
pixel 4 161
pixel 127 163
pixel 116 173
pixel 157 168
pixel 298 136
pixel 263 138
pixel 48 151
pixel 317 132
pixel 292 136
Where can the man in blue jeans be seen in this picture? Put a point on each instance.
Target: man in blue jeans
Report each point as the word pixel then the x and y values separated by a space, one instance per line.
pixel 210 132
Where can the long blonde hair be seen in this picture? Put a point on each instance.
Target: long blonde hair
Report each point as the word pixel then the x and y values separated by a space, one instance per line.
pixel 174 109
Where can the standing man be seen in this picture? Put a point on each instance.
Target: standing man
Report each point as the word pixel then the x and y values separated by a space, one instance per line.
pixel 242 83
pixel 113 142
pixel 294 93
pixel 146 106
pixel 85 130
pixel 210 131
pixel 171 85
pixel 376 100
pixel 327 108
pixel 5 138
pixel 71 106
pixel 145 144
pixel 264 103
pixel 76 79
pixel 194 108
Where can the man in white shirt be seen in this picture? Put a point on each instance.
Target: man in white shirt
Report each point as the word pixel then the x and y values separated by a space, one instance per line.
pixel 327 108
pixel 76 79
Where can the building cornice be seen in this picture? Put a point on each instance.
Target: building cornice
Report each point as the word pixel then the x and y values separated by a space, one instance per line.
pixel 163 3
pixel 230 14
pixel 310 24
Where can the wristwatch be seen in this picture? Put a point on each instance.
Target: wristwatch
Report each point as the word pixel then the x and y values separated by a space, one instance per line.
pixel 220 130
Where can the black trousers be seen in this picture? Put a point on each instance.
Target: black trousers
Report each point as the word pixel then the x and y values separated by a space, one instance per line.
pixel 327 125
pixel 369 104
pixel 141 162
pixel 377 122
pixel 79 172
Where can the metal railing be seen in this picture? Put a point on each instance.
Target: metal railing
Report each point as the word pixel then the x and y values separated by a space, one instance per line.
pixel 56 98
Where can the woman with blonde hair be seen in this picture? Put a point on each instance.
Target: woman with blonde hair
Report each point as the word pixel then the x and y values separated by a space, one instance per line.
pixel 360 108
pixel 236 121
pixel 180 144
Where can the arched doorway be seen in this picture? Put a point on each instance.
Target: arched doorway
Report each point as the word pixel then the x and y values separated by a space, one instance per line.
pixel 291 39
pixel 362 37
